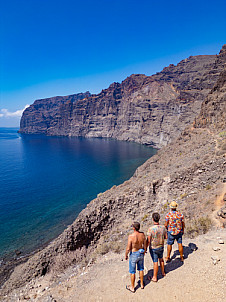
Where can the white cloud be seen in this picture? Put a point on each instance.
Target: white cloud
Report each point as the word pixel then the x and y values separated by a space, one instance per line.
pixel 17 113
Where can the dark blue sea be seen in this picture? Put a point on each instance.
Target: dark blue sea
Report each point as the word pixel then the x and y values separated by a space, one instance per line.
pixel 46 181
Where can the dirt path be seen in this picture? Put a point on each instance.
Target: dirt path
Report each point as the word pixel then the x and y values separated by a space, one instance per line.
pixel 198 279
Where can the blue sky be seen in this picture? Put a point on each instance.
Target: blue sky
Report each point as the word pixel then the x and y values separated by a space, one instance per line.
pixel 56 47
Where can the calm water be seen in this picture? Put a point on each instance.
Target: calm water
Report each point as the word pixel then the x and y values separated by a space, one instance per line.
pixel 46 181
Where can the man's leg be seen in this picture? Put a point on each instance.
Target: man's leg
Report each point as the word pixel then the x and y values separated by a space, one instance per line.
pixel 181 251
pixel 142 279
pixel 132 271
pixel 132 276
pixel 156 267
pixel 169 249
pixel 161 262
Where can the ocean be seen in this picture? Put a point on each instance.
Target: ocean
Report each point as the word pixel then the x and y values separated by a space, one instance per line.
pixel 46 181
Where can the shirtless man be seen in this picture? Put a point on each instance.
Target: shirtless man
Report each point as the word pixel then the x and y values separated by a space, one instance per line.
pixel 136 247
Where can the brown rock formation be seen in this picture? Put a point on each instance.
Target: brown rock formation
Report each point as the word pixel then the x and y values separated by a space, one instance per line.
pixel 150 110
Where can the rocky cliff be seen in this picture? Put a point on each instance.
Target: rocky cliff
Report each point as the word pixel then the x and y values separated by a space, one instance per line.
pixel 38 117
pixel 191 170
pixel 146 109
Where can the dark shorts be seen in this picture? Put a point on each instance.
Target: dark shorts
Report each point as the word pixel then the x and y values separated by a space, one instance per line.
pixel 136 259
pixel 171 238
pixel 156 253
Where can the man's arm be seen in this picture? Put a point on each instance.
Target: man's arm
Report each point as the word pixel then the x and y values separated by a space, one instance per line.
pixel 129 247
pixel 165 234
pixel 145 244
pixel 148 241
pixel 183 226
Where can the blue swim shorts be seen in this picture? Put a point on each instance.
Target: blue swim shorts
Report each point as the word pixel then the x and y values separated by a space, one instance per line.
pixel 136 259
pixel 171 238
pixel 156 253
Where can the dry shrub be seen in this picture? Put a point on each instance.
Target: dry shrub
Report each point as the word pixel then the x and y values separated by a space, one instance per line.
pixel 198 226
pixel 117 247
pixel 112 246
pixel 103 249
pixel 62 262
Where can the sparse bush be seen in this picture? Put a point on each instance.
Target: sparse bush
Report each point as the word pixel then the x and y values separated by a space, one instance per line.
pixel 198 226
pixel 145 217
pixel 222 134
pixel 183 195
pixel 165 206
pixel 62 261
pixel 116 247
pixel 103 249
pixel 208 187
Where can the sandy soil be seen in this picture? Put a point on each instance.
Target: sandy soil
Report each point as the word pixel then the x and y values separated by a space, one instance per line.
pixel 198 279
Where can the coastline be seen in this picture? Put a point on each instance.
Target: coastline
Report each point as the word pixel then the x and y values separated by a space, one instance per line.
pixel 11 260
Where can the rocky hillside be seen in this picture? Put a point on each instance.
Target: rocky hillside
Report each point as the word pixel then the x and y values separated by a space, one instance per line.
pixel 191 170
pixel 146 109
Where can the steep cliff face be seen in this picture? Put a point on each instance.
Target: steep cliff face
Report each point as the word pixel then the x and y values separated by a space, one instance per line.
pixel 38 117
pixel 213 110
pixel 150 110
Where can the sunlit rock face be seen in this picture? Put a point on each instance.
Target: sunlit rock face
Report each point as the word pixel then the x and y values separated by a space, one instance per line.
pixel 151 110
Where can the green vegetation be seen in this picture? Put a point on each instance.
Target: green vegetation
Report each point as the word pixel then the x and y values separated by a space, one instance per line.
pixel 222 134
pixel 145 217
pixel 165 206
pixel 183 195
pixel 208 187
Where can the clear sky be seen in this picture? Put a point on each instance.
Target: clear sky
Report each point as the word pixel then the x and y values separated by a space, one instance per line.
pixel 61 47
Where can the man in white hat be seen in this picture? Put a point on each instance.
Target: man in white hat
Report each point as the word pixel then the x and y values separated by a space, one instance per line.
pixel 174 223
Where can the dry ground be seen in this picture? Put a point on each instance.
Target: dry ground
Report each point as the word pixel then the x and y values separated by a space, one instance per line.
pixel 198 279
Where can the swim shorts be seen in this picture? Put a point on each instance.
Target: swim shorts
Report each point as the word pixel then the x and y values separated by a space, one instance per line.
pixel 171 238
pixel 156 253
pixel 136 259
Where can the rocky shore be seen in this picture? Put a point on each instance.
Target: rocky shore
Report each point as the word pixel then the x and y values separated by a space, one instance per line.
pixel 190 169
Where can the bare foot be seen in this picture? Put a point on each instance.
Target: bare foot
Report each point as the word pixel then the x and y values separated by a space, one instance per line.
pixel 182 259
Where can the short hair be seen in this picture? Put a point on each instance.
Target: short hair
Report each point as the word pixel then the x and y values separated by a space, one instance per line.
pixel 156 217
pixel 136 225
